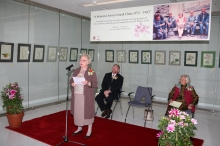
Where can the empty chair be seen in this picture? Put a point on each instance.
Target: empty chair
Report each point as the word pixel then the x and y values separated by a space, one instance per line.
pixel 145 92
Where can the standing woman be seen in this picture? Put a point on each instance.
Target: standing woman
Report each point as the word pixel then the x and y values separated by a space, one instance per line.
pixel 82 101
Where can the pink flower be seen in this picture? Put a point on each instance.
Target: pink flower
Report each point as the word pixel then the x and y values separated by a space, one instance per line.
pixel 174 112
pixel 172 122
pixel 180 123
pixel 13 92
pixel 159 134
pixel 170 128
pixel 12 85
pixel 20 97
pixel 182 117
pixel 194 121
pixel 11 96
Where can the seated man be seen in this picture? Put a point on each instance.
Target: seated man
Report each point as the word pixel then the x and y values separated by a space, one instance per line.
pixel 111 86
pixel 191 24
pixel 180 21
pixel 171 22
pixel 159 27
pixel 203 20
pixel 184 93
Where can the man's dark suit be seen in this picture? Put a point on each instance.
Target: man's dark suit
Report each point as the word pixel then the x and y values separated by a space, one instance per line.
pixel 114 85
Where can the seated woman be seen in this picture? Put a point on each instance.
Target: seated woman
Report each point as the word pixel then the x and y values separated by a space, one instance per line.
pixel 181 21
pixel 184 93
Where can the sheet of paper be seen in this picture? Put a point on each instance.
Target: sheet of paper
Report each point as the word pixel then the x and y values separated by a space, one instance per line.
pixel 175 104
pixel 78 80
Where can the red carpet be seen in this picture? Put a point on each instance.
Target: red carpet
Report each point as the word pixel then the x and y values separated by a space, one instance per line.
pixel 50 128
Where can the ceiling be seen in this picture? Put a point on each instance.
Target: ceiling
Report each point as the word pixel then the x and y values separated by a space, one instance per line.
pixel 75 6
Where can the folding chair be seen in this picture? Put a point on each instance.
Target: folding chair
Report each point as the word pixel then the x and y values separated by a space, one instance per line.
pixel 141 92
pixel 116 102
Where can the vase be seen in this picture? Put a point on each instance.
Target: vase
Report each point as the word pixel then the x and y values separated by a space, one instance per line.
pixel 15 120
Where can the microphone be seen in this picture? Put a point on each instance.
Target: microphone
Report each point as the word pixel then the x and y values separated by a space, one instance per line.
pixel 68 68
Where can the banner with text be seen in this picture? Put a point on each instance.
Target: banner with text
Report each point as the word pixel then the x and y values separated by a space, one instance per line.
pixel 176 21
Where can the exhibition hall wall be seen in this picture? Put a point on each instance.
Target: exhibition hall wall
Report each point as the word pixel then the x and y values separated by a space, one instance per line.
pixel 45 82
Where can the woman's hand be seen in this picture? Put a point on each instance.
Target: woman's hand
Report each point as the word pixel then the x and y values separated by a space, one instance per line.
pixel 73 84
pixel 190 106
pixel 170 100
pixel 85 82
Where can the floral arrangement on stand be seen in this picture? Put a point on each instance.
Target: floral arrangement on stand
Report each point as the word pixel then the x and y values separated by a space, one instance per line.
pixel 12 99
pixel 176 129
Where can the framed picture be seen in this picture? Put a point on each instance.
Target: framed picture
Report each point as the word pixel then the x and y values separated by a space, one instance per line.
pixel 174 58
pixel 109 55
pixel 91 53
pixel 121 56
pixel 208 59
pixel 83 51
pixel 38 55
pixel 146 57
pixel 190 58
pixel 6 52
pixel 52 54
pixel 73 54
pixel 63 54
pixel 24 51
pixel 133 56
pixel 160 57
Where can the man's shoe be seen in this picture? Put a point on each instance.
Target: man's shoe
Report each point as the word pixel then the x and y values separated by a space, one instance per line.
pixel 108 112
pixel 77 132
pixel 104 113
pixel 192 35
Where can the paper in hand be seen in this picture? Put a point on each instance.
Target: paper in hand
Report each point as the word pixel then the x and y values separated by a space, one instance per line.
pixel 175 104
pixel 78 80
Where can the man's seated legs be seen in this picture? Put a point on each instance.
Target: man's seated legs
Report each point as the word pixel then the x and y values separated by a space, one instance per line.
pixel 106 108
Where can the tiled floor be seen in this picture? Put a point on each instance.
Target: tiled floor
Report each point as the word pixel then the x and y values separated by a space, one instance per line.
pixel 208 123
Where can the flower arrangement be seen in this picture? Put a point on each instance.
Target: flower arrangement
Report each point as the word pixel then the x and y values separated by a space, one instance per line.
pixel 90 72
pixel 12 99
pixel 176 129
pixel 115 77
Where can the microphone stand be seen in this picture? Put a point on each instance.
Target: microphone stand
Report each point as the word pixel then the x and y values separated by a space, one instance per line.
pixel 65 138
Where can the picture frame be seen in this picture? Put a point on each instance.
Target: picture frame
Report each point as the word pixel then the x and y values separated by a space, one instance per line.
pixel 52 54
pixel 38 55
pixel 146 57
pixel 208 59
pixel 160 57
pixel 73 54
pixel 6 52
pixel 91 53
pixel 175 58
pixel 121 56
pixel 83 51
pixel 133 56
pixel 24 51
pixel 109 55
pixel 190 58
pixel 63 54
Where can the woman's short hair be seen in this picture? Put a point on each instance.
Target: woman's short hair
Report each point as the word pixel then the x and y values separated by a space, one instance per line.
pixel 87 56
pixel 187 78
pixel 117 66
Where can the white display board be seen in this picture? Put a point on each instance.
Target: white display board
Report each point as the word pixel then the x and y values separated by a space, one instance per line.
pixel 141 24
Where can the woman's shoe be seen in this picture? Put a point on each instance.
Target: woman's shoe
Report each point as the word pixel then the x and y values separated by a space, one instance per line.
pixel 77 132
pixel 88 136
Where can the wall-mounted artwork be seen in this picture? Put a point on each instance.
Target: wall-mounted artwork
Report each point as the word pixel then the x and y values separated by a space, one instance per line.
pixel 91 53
pixel 63 54
pixel 190 58
pixel 6 52
pixel 208 59
pixel 73 54
pixel 146 57
pixel 160 57
pixel 38 55
pixel 109 55
pixel 133 56
pixel 121 56
pixel 24 51
pixel 52 54
pixel 174 58
pixel 83 51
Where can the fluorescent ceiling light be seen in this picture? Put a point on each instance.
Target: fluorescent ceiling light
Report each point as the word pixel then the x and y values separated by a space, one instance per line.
pixel 105 3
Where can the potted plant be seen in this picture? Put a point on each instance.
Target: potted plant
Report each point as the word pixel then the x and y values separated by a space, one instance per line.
pixel 12 103
pixel 176 129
